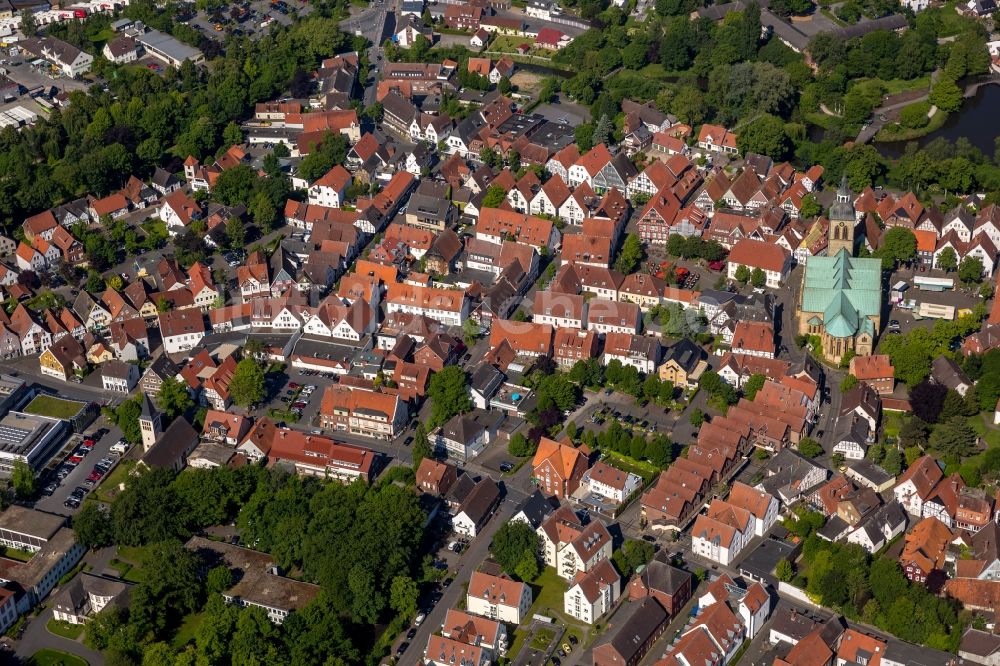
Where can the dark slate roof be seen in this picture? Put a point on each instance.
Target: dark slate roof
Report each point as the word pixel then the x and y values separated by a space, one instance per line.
pixel 176 442
pixel 633 632
pixel 536 508
pixel 481 500
pixel 686 354
pixel 660 575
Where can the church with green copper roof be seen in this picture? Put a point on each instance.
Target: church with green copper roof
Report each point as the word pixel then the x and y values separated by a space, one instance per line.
pixel 841 301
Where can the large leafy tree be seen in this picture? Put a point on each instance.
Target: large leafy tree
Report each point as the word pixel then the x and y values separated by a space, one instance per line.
pixel 513 543
pixel 247 385
pixel 448 395
pixel 174 397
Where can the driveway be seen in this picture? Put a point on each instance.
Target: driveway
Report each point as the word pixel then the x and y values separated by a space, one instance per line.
pixel 36 637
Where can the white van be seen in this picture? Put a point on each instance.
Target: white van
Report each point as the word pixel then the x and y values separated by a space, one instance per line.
pixel 120 447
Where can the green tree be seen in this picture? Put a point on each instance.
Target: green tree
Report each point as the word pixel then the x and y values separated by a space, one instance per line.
pixel 126 417
pixel 954 437
pixel 948 260
pixel 970 271
pixel 758 278
pixel 946 95
pixel 764 135
pixel 697 417
pixel 236 233
pixel 753 384
pixel 403 595
pixel 810 207
pixel 899 246
pixel 631 254
pixel 92 526
pixel 742 274
pixel 169 587
pixel 448 395
pixel 247 385
pixel 893 461
pixel 632 555
pixel 810 448
pixel 421 446
pixel 29 27
pixel 784 571
pixel 218 580
pixel 174 397
pixel 512 543
pixel 23 480
pixel 847 383
pixel 520 446
pixel 495 195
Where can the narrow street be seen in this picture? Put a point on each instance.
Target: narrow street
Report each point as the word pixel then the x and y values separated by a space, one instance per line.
pixel 473 555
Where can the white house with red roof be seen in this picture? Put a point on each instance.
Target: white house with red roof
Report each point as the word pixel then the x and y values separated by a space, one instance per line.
pixel 594 593
pixel 498 598
pixel 330 190
pixel 774 260
pixel 178 211
pixel 717 139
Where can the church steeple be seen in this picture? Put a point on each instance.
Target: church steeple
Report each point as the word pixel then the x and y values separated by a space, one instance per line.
pixel 840 235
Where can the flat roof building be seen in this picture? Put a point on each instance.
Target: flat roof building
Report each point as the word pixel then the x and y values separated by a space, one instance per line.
pixel 29 438
pixel 168 49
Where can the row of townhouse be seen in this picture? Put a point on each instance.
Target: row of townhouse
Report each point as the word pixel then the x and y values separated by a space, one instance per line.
pixel 721 533
pixel 925 491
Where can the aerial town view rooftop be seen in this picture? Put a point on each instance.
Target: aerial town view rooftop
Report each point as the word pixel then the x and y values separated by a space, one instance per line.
pixel 499 332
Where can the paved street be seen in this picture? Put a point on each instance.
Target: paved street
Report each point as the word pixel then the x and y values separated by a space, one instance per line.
pixel 474 554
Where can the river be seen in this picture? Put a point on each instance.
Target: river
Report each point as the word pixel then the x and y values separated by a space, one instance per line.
pixel 976 121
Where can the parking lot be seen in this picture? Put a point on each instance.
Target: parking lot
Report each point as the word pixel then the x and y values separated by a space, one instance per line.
pixel 77 473
pixel 250 19
pixel 300 396
pixel 30 77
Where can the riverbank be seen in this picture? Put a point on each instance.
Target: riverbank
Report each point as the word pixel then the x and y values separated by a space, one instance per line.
pixel 974 121
pixel 896 133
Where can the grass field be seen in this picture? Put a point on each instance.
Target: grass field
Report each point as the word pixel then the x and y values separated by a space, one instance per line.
pixel 50 657
pixel 185 632
pixel 896 86
pixel 889 133
pixel 509 44
pixel 64 629
pixel 57 408
pixel 108 489
pixel 640 467
pixel 15 554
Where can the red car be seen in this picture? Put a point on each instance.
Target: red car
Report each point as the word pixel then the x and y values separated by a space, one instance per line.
pixel 300 405
pixel 88 443
pixel 95 476
pixel 76 459
pixel 293 385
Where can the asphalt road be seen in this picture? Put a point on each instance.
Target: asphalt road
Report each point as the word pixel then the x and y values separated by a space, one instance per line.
pixel 474 554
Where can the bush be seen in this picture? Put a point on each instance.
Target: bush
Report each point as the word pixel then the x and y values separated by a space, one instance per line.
pixel 914 116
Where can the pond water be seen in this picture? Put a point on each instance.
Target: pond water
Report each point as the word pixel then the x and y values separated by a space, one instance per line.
pixel 976 121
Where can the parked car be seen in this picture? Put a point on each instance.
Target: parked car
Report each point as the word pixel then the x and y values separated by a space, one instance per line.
pixel 506 466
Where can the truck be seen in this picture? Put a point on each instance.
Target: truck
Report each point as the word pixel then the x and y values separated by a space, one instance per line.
pixel 933 284
pixel 934 311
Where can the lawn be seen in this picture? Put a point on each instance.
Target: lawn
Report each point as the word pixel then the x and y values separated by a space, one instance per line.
pixel 892 422
pixel 130 555
pixel 103 36
pixel 542 638
pixel 50 657
pixel 644 469
pixel 57 408
pixel 509 44
pixel 896 86
pixel 108 490
pixel 185 632
pixel 15 554
pixel 64 629
pixel 984 430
